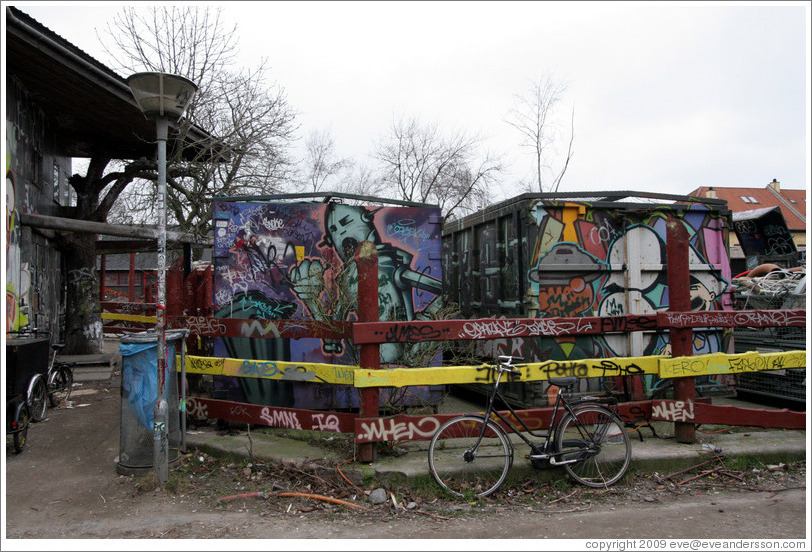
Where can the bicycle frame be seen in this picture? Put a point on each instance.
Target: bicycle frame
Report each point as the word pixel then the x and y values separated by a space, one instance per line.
pixel 492 413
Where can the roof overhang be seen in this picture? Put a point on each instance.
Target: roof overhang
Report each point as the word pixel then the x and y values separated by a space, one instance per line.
pixel 90 107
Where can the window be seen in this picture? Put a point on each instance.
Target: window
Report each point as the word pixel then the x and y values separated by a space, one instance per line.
pixel 56 183
pixel 745 199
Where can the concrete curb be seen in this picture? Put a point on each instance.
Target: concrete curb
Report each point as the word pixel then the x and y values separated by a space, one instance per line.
pixel 410 468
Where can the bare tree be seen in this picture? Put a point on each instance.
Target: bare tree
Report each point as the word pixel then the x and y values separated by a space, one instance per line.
pixel 321 164
pixel 249 116
pixel 532 116
pixel 363 180
pixel 249 119
pixel 425 166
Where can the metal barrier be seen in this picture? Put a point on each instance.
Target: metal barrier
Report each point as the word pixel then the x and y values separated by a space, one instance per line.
pixel 369 427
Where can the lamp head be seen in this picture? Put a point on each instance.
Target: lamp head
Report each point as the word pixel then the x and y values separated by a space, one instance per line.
pixel 161 94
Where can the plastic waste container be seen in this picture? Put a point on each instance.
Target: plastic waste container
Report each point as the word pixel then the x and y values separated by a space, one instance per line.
pixel 139 391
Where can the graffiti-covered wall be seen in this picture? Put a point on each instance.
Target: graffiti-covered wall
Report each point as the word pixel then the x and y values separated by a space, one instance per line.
pixel 543 258
pixel 36 182
pixel 296 261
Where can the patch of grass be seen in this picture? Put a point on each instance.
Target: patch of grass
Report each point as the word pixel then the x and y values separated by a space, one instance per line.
pixel 742 463
pixel 178 483
pixel 561 484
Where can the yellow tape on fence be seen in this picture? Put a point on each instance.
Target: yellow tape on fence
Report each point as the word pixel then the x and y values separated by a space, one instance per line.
pixel 721 363
pixel 270 369
pixel 582 368
pixel 664 366
pixel 128 317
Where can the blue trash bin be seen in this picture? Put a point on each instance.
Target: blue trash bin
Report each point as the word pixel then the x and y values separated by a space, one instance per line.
pixel 139 390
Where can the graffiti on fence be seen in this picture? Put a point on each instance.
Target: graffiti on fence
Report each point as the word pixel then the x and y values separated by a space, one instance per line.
pixel 479 329
pixel 770 318
pixel 672 411
pixel 202 408
pixel 393 429
pixel 271 369
pixel 276 417
pixel 719 363
pixel 204 325
pixel 735 318
pixel 205 365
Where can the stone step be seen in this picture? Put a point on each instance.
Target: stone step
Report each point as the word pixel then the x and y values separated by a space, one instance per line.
pixel 91 367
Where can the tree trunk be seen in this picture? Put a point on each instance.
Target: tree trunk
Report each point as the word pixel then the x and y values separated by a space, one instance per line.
pixel 83 324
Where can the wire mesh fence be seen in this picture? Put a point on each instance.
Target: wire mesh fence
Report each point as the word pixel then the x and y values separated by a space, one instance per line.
pixel 779 289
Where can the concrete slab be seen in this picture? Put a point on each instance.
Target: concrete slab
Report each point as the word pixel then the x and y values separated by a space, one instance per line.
pixel 653 454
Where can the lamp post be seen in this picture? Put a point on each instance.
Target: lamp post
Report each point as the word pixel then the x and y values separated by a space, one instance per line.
pixel 162 97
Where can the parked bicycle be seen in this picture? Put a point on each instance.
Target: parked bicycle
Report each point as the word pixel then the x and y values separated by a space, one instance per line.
pixel 60 378
pixel 471 454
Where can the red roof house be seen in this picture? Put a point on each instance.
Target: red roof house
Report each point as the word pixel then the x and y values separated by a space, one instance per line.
pixel 792 204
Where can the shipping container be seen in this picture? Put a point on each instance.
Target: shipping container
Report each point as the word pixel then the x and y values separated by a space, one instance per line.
pixel 585 254
pixel 294 260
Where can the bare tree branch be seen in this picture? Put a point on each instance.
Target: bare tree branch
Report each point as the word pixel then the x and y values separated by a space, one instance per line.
pixel 532 115
pixel 425 166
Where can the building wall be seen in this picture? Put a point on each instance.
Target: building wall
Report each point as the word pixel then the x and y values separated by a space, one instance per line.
pixel 36 182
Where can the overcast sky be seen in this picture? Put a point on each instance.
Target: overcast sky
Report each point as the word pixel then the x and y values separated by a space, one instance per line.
pixel 667 96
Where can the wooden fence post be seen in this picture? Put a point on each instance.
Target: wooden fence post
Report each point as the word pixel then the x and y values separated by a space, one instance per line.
pixel 366 261
pixel 679 300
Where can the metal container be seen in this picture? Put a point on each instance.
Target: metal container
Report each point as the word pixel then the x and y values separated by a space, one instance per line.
pixel 139 391
pixel 581 254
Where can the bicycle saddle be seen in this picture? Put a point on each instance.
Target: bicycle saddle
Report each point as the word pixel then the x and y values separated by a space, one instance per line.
pixel 566 382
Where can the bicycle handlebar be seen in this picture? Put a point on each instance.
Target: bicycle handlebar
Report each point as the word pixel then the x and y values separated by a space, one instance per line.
pixel 504 364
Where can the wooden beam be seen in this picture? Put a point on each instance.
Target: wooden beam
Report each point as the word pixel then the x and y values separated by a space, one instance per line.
pixel 91 227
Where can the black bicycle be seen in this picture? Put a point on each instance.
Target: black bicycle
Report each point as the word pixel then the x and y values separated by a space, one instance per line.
pixel 470 455
pixel 60 379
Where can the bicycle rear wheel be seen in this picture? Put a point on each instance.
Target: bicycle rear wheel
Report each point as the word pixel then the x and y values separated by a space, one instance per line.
pixel 60 385
pixel 465 466
pixel 596 438
pixel 38 399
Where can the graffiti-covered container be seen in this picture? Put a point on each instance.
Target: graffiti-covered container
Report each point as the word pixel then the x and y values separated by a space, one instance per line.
pixel 295 261
pixel 139 390
pixel 556 255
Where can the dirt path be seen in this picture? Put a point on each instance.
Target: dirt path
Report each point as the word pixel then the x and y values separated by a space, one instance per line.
pixel 64 485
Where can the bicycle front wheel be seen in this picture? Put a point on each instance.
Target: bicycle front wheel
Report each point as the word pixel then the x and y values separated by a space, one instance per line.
pixel 21 437
pixel 595 446
pixel 60 385
pixel 466 466
pixel 38 399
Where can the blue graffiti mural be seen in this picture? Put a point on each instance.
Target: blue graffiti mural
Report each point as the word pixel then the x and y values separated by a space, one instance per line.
pixel 296 261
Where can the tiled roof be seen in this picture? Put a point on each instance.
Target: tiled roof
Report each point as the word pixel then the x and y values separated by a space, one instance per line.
pixel 747 199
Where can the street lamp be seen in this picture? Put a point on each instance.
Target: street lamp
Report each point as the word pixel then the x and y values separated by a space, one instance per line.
pixel 162 97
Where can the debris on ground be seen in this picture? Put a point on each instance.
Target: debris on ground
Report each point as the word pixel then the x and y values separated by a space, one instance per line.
pixel 316 487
